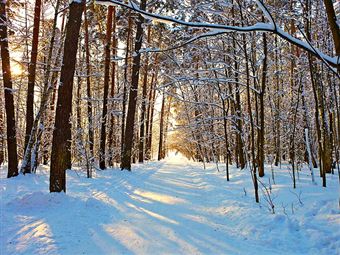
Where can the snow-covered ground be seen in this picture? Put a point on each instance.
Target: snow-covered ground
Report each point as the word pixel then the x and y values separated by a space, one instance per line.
pixel 168 207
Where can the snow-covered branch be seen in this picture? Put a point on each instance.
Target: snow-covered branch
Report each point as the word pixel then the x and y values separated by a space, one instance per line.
pixel 271 27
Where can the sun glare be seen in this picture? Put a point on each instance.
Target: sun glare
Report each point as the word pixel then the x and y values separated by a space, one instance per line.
pixel 16 69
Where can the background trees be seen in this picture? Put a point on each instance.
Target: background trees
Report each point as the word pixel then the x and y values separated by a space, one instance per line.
pixel 143 87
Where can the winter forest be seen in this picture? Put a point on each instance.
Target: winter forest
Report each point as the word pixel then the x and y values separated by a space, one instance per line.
pixel 170 127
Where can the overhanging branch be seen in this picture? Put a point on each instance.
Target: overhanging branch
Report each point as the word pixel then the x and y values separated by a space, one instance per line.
pixel 220 29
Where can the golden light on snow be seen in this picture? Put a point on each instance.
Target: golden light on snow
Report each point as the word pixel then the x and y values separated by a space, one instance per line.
pixel 152 214
pixel 162 198
pixel 36 231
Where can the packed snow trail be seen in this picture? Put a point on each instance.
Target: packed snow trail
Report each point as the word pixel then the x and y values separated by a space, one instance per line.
pixel 168 207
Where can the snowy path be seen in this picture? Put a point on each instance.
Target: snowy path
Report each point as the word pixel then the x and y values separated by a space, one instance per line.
pixel 170 207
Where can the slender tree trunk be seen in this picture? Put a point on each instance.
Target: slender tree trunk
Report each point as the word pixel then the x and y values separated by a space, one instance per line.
pixel 26 166
pixel 161 130
pixel 143 109
pixel 149 119
pixel 307 129
pixel 332 20
pixel 166 127
pixel 277 106
pixel 261 130
pixel 239 141
pixel 78 96
pixel 130 120
pixel 316 111
pixel 88 91
pixel 2 129
pixel 292 149
pixel 225 112
pixel 309 154
pixel 102 152
pixel 111 139
pixel 251 118
pixel 61 144
pixel 126 68
pixel 9 102
pixel 31 81
pixel 240 161
pixel 312 70
pixel 152 110
pixel 327 144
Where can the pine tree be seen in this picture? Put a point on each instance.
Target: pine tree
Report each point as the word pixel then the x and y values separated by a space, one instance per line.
pixel 61 144
pixel 130 120
pixel 9 102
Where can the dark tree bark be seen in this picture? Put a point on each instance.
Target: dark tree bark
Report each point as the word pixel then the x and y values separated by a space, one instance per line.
pixel 31 82
pixel 112 140
pixel 261 95
pixel 332 20
pixel 130 120
pixel 166 126
pixel 161 131
pixel 2 131
pixel 88 89
pixel 250 111
pixel 240 161
pixel 239 142
pixel 325 158
pixel 9 102
pixel 61 144
pixel 225 112
pixel 102 152
pixel 143 110
pixel 150 111
pixel 126 67
pixel 277 114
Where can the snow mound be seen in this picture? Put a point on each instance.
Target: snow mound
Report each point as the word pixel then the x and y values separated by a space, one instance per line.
pixel 39 199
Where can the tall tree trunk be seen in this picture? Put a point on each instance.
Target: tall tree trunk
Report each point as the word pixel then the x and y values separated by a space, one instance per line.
pixel 325 153
pixel 31 81
pixel 251 118
pixel 161 130
pixel 239 141
pixel 332 20
pixel 150 132
pixel 313 71
pixel 61 144
pixel 225 112
pixel 88 91
pixel 2 129
pixel 9 102
pixel 26 166
pixel 261 95
pixel 112 140
pixel 327 143
pixel 126 68
pixel 240 161
pixel 277 110
pixel 102 151
pixel 166 127
pixel 130 120
pixel 150 111
pixel 53 82
pixel 143 109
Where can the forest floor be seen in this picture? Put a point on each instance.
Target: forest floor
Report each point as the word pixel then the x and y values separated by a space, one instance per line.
pixel 168 207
